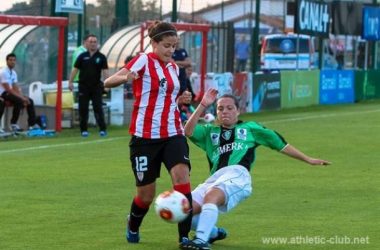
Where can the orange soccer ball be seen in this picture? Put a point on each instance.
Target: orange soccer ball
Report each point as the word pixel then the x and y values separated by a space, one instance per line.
pixel 172 206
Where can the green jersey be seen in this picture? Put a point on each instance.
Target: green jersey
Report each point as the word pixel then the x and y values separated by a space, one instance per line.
pixel 234 146
pixel 76 54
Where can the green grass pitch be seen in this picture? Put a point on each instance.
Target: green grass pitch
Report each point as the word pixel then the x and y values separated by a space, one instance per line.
pixel 69 192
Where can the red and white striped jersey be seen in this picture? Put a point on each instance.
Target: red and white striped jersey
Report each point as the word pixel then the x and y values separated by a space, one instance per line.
pixel 155 110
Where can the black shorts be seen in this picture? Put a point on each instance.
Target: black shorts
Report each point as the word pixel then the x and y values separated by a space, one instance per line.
pixel 146 156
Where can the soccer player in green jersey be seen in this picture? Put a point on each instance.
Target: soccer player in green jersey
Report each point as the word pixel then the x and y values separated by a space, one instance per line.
pixel 230 149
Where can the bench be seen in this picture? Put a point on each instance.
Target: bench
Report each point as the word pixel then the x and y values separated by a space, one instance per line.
pixel 48 111
pixel 47 94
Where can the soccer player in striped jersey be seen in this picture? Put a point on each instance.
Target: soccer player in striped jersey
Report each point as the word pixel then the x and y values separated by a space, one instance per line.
pixel 156 128
pixel 230 149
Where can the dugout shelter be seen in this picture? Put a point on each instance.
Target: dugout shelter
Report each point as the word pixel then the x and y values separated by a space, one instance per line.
pixel 133 39
pixel 14 28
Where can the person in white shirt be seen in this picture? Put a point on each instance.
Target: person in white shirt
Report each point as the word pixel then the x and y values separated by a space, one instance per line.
pixel 10 91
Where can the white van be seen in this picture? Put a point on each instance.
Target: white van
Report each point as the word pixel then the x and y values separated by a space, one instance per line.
pixel 279 52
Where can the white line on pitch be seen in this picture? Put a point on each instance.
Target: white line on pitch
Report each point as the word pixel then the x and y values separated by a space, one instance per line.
pixel 118 138
pixel 60 145
pixel 319 116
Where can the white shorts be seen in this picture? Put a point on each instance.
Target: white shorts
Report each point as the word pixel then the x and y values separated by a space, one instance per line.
pixel 234 181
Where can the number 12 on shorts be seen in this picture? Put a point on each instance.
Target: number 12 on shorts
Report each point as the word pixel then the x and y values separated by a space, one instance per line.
pixel 141 163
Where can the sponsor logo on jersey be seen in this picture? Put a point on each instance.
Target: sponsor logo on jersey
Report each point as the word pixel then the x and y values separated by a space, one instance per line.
pixel 214 138
pixel 242 133
pixel 227 135
pixel 228 148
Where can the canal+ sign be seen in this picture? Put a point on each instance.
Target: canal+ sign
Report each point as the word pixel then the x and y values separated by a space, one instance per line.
pixel 313 18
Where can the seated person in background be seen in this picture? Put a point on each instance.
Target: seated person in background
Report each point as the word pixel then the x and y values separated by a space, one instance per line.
pixel 188 109
pixel 189 70
pixel 128 92
pixel 10 91
pixel 2 106
pixel 182 59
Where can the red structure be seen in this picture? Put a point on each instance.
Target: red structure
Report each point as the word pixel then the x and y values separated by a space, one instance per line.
pixel 204 28
pixel 59 22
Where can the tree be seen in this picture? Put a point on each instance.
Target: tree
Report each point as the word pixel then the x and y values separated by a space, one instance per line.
pixel 19 9
pixel 140 12
pixel 34 8
pixel 105 9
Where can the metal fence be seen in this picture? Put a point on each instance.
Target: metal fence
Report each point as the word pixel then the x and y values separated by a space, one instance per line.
pixel 228 24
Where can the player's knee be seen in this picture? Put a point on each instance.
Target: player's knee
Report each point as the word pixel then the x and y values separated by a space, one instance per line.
pixel 146 195
pixel 180 174
pixel 215 196
pixel 196 208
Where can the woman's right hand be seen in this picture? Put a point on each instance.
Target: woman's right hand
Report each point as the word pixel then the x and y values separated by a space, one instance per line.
pixel 131 76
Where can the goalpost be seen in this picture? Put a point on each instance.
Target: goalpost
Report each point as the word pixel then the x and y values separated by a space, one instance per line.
pixel 204 28
pixel 59 22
